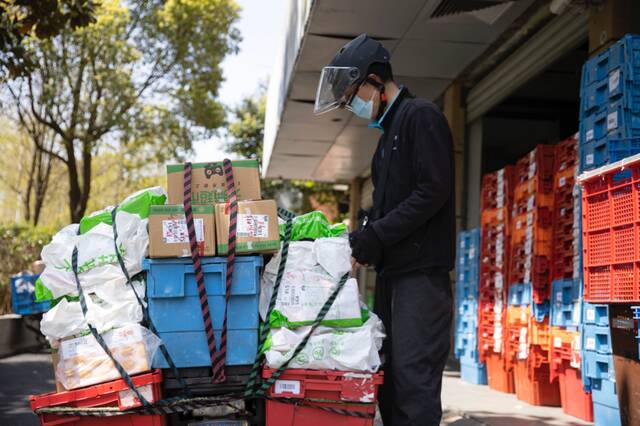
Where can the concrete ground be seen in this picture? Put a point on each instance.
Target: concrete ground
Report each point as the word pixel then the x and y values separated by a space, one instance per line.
pixel 464 404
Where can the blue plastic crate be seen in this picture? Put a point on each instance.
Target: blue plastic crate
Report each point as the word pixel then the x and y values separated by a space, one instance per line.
pixel 466 346
pixel 603 392
pixel 174 308
pixel 23 296
pixel 596 338
pixel 468 255
pixel 539 311
pixel 473 372
pixel 566 305
pixel 467 308
pixel 466 291
pixel 596 314
pixel 619 85
pixel 615 121
pixel 595 154
pixel 603 415
pixel 519 294
pixel 598 366
pixel 625 53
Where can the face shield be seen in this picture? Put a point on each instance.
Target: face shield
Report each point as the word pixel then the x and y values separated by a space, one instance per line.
pixel 335 89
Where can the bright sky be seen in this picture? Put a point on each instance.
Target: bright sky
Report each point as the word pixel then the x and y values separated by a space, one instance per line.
pixel 261 25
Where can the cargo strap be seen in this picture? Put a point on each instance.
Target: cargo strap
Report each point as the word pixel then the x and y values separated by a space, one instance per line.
pixel 232 200
pixel 143 306
pixel 197 268
pixel 185 405
pixel 254 376
pixel 259 390
pixel 97 336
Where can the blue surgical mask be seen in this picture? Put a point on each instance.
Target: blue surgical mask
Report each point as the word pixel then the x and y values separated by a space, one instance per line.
pixel 361 108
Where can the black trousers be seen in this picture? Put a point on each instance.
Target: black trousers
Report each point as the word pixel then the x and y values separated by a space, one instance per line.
pixel 416 309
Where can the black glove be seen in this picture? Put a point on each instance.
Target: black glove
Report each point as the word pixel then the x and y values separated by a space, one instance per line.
pixel 366 247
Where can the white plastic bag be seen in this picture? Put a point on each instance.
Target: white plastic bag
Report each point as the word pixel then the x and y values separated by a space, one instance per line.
pixel 348 349
pixel 113 305
pixel 83 362
pixel 313 270
pixel 97 260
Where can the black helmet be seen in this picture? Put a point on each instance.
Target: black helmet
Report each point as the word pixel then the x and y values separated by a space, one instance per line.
pixel 347 68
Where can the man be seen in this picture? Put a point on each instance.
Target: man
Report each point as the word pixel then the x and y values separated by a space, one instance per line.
pixel 410 231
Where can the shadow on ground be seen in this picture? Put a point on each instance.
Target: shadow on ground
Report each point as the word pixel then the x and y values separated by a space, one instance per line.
pixel 21 376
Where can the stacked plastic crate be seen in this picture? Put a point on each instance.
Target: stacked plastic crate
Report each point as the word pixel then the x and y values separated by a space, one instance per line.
pixel 496 202
pixel 609 132
pixel 610 104
pixel 466 339
pixel 530 273
pixel 566 291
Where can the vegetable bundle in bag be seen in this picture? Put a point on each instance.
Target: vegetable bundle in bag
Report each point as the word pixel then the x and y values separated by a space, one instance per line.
pixel 312 272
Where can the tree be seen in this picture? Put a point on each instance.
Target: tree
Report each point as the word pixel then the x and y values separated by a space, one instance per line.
pixel 144 79
pixel 25 170
pixel 246 136
pixel 21 19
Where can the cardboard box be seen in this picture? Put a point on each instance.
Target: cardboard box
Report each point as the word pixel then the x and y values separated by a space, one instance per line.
pixel 610 22
pixel 168 234
pixel 208 183
pixel 257 228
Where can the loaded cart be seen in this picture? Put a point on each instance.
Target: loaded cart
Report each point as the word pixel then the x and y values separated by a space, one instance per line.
pixel 186 336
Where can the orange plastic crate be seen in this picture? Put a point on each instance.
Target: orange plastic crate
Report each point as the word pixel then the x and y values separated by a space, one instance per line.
pixel 611 232
pixel 533 385
pixel 498 376
pixel 540 333
pixel 574 400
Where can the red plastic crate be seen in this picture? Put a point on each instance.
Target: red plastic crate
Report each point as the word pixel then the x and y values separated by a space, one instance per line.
pixel 350 391
pixel 566 153
pixel 574 400
pixel 533 386
pixel 498 375
pixel 494 184
pixel 611 233
pixel 110 394
pixel 544 157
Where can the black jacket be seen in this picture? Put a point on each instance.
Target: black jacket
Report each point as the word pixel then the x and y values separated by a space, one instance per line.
pixel 413 174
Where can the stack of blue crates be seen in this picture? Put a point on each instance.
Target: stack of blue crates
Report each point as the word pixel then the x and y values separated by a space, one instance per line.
pixel 597 360
pixel 174 308
pixel 466 328
pixel 610 105
pixel 23 295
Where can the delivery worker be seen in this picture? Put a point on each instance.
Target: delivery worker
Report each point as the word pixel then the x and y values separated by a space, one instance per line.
pixel 410 231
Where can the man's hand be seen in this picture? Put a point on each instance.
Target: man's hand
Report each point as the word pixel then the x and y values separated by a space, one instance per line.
pixel 366 247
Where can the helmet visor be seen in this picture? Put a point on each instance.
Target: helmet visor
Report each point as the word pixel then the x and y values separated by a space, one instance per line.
pixel 335 88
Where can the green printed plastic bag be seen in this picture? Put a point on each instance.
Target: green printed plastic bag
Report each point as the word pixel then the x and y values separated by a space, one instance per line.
pixel 43 294
pixel 138 203
pixel 313 225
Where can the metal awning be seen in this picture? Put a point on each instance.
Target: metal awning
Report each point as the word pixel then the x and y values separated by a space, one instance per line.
pixel 427 55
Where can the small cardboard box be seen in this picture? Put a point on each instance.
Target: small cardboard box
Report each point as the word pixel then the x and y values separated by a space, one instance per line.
pixel 209 185
pixel 257 227
pixel 168 234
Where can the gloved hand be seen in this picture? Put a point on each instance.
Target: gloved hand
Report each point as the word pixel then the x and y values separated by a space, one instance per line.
pixel 366 247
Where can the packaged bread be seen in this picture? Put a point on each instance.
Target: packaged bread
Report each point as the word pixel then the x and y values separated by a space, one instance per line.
pixel 83 362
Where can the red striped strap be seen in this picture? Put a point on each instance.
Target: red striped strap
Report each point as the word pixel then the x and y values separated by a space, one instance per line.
pixel 197 266
pixel 232 203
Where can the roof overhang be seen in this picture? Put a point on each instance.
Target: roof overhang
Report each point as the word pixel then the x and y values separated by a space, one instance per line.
pixel 427 55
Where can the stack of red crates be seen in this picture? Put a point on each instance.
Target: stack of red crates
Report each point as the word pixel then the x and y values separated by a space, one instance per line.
pixel 530 265
pixel 563 212
pixel 494 263
pixel 565 348
pixel 532 222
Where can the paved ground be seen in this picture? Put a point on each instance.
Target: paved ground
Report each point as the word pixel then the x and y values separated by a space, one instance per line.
pixel 464 404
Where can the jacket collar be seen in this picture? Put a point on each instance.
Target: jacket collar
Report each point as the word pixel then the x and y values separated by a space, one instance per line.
pixel 387 116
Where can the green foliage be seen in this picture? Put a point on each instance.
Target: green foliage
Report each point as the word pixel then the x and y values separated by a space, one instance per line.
pixel 247 127
pixel 21 19
pixel 19 246
pixel 143 78
pixel 246 135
